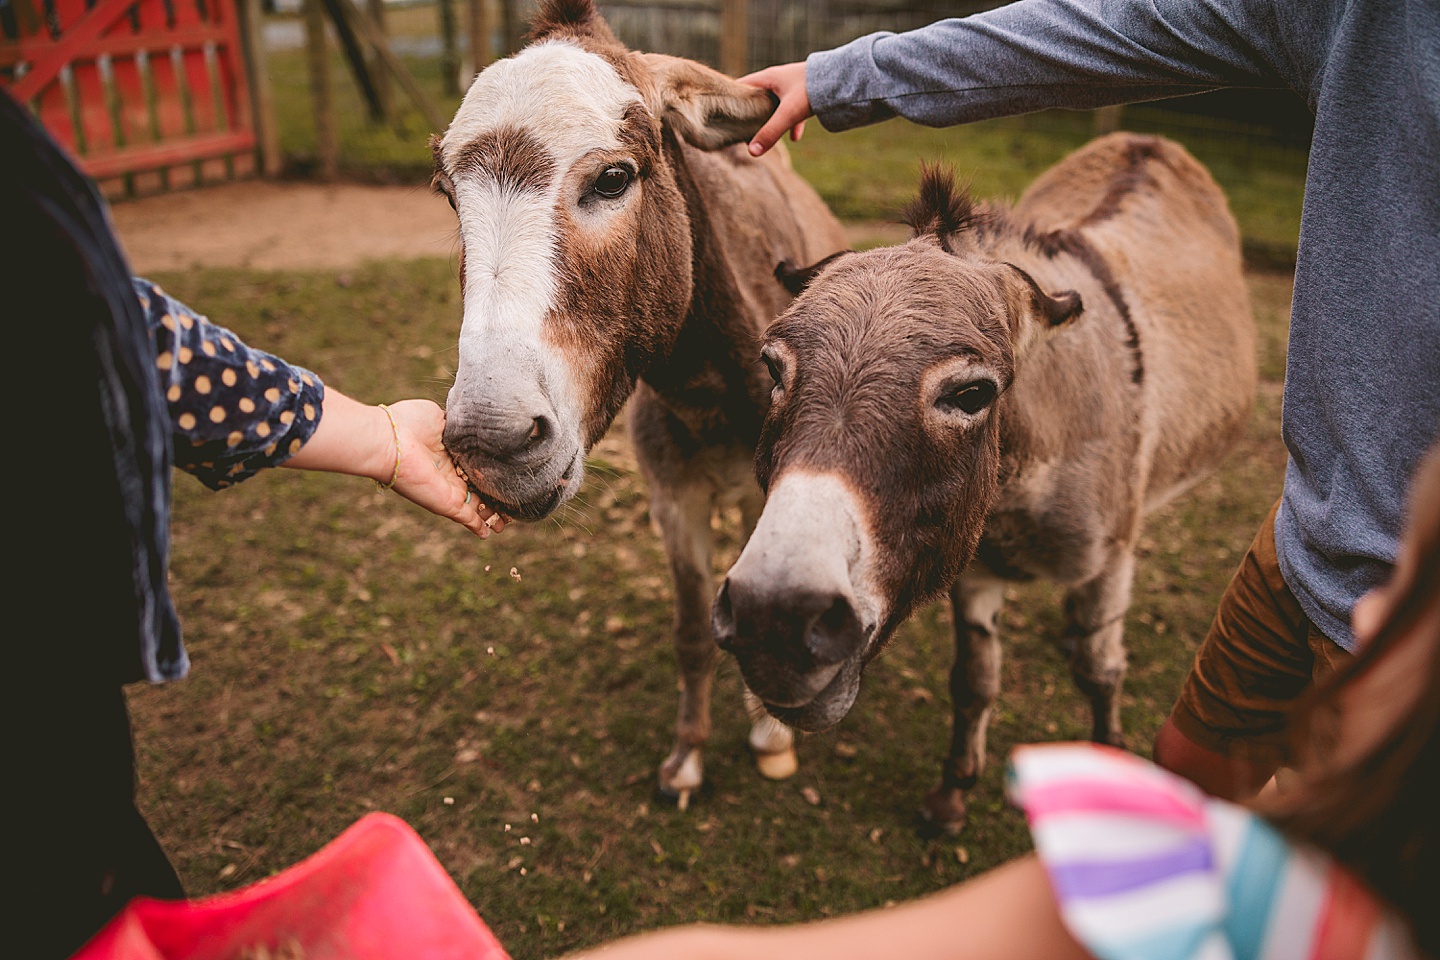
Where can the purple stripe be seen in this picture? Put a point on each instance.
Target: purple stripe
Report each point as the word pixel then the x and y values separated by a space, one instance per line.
pixel 1097 878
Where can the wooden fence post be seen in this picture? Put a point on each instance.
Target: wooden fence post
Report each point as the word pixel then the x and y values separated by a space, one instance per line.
pixel 511 24
pixel 267 135
pixel 327 143
pixel 449 49
pixel 378 73
pixel 1107 120
pixel 368 32
pixel 734 37
pixel 482 30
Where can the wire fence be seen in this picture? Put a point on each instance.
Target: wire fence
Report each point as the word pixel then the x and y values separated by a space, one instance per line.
pixel 778 30
pixel 1255 142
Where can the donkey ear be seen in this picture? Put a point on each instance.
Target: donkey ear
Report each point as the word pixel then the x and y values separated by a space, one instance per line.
pixel 796 279
pixel 569 17
pixel 703 106
pixel 1037 315
pixel 1054 310
pixel 1059 309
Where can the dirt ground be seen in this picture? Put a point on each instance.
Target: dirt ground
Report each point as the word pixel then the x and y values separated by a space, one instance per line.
pixel 272 225
pixel 275 225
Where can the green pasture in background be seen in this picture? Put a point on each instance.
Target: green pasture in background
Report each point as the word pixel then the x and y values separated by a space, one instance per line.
pixel 353 653
pixel 864 174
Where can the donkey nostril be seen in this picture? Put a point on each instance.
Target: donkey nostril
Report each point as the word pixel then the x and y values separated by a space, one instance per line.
pixel 836 634
pixel 540 429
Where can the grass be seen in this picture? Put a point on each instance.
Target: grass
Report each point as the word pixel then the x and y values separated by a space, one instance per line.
pixel 871 173
pixel 353 653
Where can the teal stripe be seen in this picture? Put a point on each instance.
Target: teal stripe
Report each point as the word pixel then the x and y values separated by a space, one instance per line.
pixel 1178 942
pixel 1264 858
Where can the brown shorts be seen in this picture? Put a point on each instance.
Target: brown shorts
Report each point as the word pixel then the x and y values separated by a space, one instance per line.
pixel 1262 653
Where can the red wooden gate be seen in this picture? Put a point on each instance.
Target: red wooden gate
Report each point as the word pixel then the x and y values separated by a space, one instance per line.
pixel 147 94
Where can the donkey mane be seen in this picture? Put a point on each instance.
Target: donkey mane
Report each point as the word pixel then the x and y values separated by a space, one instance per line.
pixel 574 17
pixel 959 223
pixel 946 211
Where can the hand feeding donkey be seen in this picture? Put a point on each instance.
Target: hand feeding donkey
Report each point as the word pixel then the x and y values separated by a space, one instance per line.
pixel 952 399
pixel 611 234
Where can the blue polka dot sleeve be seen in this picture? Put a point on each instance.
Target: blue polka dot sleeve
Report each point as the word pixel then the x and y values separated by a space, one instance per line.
pixel 234 411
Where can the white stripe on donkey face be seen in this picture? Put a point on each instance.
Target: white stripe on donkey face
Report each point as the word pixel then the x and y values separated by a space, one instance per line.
pixel 529 127
pixel 805 578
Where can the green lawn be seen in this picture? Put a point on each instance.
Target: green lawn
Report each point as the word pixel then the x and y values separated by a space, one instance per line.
pixel 872 172
pixel 353 653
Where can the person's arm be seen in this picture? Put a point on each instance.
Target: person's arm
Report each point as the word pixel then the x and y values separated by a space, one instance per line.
pixel 357 438
pixel 236 410
pixel 1040 54
pixel 1007 913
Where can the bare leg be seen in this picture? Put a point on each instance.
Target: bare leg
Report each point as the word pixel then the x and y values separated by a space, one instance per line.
pixel 1096 614
pixel 974 685
pixel 683 516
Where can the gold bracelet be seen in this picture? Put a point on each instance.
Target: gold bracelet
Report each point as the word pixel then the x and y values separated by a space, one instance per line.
pixel 396 431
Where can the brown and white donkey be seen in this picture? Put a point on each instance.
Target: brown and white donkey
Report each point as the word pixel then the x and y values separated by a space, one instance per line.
pixel 614 240
pixel 1017 387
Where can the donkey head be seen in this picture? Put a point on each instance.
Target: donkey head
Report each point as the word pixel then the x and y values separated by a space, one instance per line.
pixel 575 262
pixel 880 453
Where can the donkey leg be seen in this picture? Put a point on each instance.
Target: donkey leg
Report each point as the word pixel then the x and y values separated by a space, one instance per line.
pixel 974 685
pixel 1096 614
pixel 772 743
pixel 683 516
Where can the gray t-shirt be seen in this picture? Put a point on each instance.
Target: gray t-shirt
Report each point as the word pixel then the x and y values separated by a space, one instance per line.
pixel 1362 380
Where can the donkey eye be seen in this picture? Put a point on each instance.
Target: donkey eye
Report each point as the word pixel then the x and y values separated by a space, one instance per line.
pixel 613 182
pixel 442 185
pixel 773 366
pixel 969 398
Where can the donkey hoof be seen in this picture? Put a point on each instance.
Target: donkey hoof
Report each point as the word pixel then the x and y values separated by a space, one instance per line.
pixel 681 777
pixel 681 799
pixel 943 809
pixel 781 765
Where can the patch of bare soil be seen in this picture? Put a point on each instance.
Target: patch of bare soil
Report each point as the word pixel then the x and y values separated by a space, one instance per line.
pixel 280 225
pixel 277 225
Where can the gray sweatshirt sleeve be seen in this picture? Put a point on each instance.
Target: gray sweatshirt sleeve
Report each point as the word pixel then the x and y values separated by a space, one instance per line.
pixel 1038 54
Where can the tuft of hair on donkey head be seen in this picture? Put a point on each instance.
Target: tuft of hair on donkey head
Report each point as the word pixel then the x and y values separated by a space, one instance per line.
pixel 881 452
pixel 939 419
pixel 576 242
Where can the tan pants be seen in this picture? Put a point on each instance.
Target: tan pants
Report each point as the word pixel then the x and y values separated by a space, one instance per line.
pixel 1260 657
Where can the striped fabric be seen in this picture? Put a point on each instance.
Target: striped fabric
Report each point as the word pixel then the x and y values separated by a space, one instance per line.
pixel 1145 866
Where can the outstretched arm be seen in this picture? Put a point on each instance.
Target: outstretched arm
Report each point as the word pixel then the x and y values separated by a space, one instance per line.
pixel 235 411
pixel 1005 914
pixel 358 439
pixel 1039 54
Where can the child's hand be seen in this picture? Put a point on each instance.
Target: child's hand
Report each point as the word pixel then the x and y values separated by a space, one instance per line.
pixel 788 83
pixel 426 475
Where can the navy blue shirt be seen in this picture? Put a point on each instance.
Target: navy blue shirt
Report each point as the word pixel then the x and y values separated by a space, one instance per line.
pixel 128 384
pixel 234 411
